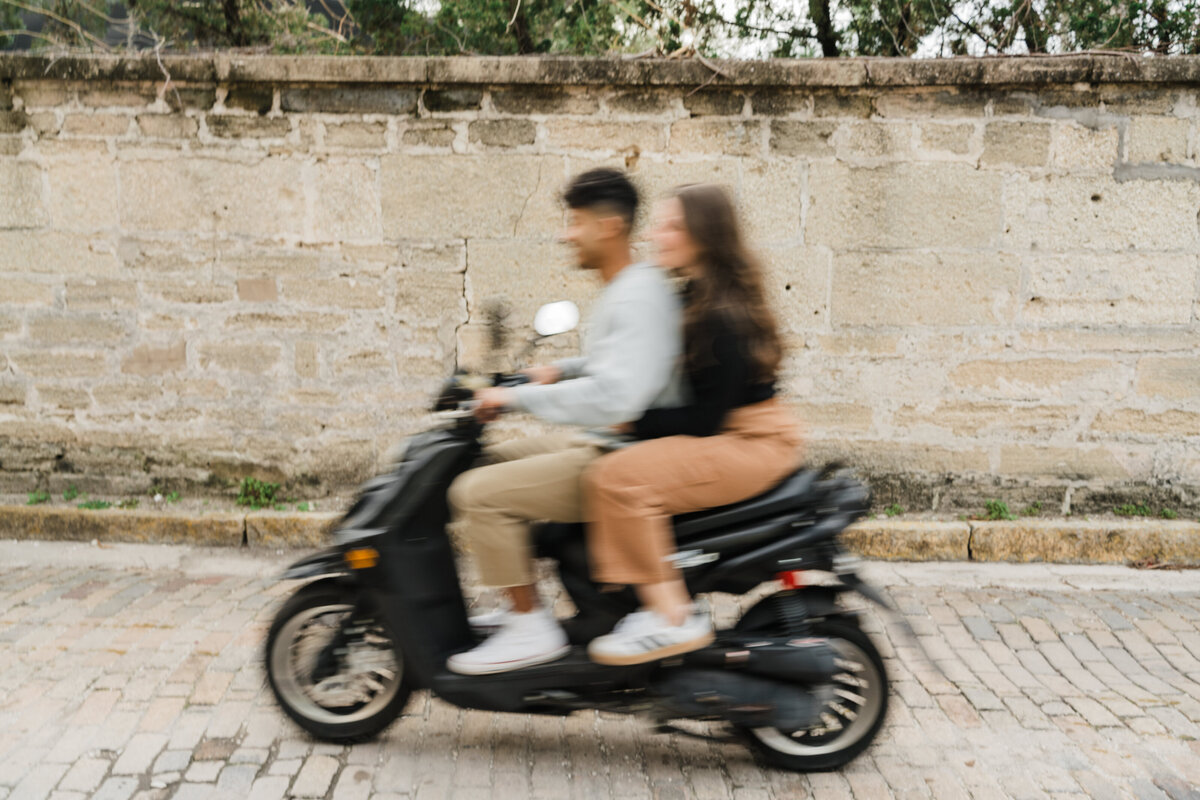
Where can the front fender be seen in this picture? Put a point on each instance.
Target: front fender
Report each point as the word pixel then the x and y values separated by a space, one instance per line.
pixel 324 562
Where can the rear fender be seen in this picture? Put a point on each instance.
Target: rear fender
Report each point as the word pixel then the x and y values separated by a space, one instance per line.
pixel 795 606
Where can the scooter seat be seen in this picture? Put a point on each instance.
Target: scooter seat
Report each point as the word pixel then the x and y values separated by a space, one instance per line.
pixel 788 494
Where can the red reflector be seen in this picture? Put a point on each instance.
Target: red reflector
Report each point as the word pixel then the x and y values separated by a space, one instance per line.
pixel 792 579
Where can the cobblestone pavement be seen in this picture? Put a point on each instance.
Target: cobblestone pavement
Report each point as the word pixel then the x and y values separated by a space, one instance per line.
pixel 134 671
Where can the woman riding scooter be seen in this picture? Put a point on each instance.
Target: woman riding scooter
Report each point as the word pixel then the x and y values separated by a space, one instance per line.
pixel 733 442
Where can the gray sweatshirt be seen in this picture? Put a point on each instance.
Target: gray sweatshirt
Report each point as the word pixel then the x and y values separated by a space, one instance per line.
pixel 630 357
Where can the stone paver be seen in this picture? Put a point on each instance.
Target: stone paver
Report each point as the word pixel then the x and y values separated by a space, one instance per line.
pixel 137 674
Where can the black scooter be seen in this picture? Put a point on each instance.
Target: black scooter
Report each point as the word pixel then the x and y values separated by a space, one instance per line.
pixel 795 677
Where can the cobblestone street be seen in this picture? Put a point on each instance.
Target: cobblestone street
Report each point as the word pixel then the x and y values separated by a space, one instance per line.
pixel 135 671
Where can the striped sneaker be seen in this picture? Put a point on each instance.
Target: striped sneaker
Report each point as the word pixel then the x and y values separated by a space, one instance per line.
pixel 645 636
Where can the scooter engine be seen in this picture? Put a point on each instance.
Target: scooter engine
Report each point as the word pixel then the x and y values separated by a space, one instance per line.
pixel 741 698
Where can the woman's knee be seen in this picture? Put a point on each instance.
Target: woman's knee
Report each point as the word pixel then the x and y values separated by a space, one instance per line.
pixel 463 491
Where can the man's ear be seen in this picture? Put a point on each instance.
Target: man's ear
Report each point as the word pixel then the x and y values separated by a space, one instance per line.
pixel 613 226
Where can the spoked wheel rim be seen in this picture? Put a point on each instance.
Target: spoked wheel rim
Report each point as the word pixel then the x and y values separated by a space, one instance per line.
pixel 368 677
pixel 858 699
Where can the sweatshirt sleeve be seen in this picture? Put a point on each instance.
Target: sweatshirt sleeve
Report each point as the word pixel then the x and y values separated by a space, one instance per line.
pixel 715 386
pixel 625 371
pixel 571 367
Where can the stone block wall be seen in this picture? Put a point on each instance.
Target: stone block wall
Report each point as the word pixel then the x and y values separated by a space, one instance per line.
pixel 988 272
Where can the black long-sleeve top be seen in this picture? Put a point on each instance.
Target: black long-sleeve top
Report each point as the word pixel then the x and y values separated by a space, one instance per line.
pixel 719 383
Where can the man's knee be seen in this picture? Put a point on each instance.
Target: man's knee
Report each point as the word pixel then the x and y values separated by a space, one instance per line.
pixel 463 491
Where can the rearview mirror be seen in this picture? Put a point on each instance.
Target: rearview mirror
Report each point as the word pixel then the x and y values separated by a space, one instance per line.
pixel 555 318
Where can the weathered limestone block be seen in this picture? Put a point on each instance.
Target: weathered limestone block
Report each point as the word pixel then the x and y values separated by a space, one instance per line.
pixel 100 294
pixel 452 99
pixel 21 204
pixel 1038 378
pixel 904 205
pixel 129 95
pixel 1080 149
pixel 811 139
pixel 828 418
pixel 150 360
pixel 719 104
pixel 58 328
pixel 190 291
pixel 514 196
pixel 1157 139
pixel 168 126
pixel 1087 541
pixel 203 194
pixel 257 358
pixel 60 363
pixel 307 359
pixel 780 102
pixel 797 281
pixel 97 124
pixel 27 292
pixel 903 540
pixel 947 137
pixel 425 133
pixel 1175 378
pixel 1147 424
pixel 544 100
pixel 870 140
pixel 853 105
pixel 239 127
pixel 350 99
pixel 889 457
pixel 1072 212
pixel 345 201
pixel 975 419
pixel 573 134
pixel 641 101
pixel 334 293
pixel 1104 288
pixel 257 290
pixel 82 194
pixel 502 132
pixel 1073 463
pixel 771 198
pixel 361 135
pixel 911 289
pixel 248 97
pixel 717 137
pixel 111 525
pixel 1017 144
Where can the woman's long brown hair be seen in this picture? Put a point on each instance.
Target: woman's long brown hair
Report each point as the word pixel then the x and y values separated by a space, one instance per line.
pixel 728 283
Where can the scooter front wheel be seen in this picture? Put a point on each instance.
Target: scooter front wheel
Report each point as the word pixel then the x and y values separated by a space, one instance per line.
pixel 334 668
pixel 851 718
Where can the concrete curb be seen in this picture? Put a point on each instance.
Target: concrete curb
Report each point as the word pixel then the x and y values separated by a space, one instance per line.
pixel 1064 541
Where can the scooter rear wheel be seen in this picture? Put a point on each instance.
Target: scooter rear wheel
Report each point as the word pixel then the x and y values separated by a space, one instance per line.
pixel 341 678
pixel 851 720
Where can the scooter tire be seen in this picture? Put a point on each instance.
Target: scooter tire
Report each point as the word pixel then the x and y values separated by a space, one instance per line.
pixel 823 753
pixel 295 693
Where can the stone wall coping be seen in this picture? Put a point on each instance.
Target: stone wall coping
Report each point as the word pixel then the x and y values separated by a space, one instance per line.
pixel 609 71
pixel 1071 541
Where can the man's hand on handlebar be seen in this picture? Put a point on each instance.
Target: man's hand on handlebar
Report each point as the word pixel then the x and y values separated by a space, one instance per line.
pixel 546 373
pixel 491 402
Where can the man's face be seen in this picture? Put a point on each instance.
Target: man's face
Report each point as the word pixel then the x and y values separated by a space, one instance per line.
pixel 588 231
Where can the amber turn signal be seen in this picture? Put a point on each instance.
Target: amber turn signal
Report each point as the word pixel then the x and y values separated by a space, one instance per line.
pixel 362 557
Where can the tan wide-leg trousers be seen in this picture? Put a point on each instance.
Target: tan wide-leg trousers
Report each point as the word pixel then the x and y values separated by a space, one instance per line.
pixel 527 480
pixel 631 494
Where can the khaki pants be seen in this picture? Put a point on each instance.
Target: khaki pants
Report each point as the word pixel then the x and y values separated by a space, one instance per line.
pixel 631 494
pixel 527 480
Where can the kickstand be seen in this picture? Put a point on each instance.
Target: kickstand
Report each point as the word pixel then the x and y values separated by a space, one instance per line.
pixel 666 727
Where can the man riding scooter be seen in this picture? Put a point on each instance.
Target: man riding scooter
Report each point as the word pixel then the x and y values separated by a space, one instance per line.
pixel 629 364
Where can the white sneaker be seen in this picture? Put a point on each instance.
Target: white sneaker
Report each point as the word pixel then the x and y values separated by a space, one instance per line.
pixel 645 636
pixel 488 622
pixel 521 641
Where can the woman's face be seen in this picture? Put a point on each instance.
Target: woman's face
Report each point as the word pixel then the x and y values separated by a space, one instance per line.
pixel 674 247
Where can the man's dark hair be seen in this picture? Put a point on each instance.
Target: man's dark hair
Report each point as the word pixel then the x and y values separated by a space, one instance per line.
pixel 603 187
